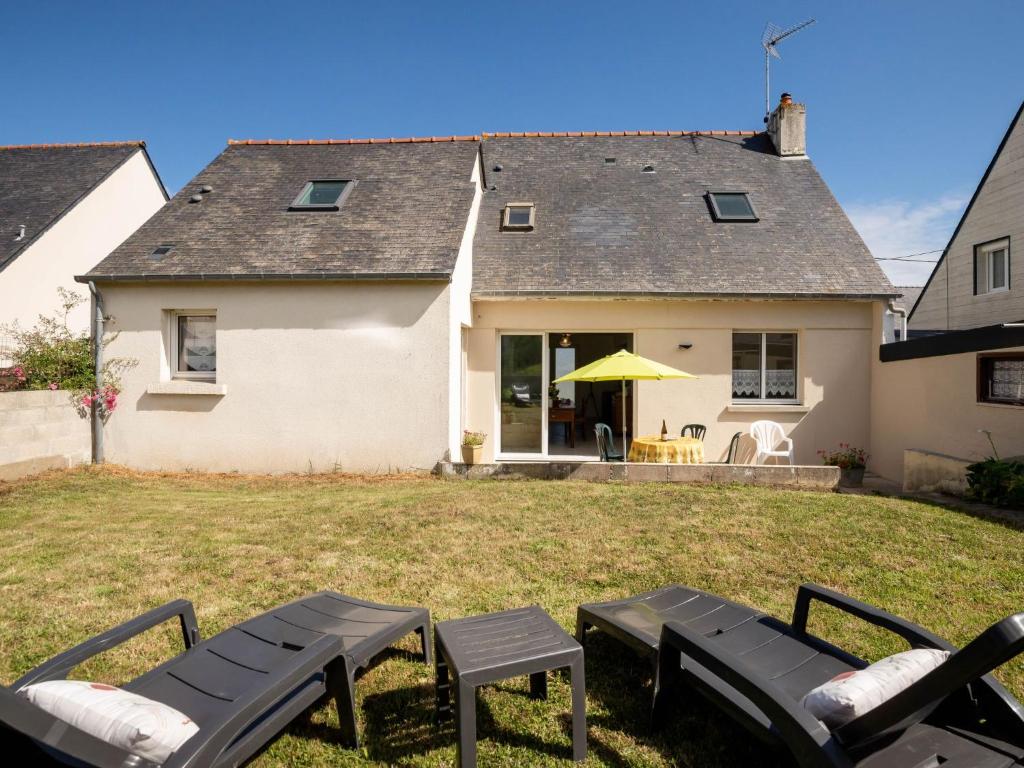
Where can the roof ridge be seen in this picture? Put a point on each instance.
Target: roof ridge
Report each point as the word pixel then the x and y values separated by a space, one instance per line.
pixel 307 142
pixel 72 145
pixel 482 137
pixel 588 134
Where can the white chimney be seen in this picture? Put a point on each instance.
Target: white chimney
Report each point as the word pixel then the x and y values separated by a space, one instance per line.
pixel 787 127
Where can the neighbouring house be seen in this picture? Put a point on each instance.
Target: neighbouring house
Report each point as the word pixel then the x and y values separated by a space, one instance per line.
pixel 960 377
pixel 898 311
pixel 63 208
pixel 356 304
pixel 977 280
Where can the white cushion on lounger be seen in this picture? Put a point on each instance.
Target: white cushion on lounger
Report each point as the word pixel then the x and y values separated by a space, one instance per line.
pixel 126 720
pixel 849 695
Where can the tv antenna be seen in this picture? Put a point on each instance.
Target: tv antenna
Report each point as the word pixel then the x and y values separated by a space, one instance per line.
pixel 773 35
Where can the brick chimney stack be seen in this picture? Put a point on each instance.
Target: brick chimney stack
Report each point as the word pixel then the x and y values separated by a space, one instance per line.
pixel 787 128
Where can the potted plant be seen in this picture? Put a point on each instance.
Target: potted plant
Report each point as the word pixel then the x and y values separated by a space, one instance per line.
pixel 851 462
pixel 472 446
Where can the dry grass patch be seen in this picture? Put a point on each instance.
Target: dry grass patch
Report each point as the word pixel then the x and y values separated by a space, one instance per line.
pixel 83 550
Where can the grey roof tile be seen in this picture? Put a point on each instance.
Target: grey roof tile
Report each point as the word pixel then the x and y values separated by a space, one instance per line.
pixel 405 215
pixel 609 228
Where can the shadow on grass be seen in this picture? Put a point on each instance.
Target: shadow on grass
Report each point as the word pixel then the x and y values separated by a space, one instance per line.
pixel 403 722
pixel 620 687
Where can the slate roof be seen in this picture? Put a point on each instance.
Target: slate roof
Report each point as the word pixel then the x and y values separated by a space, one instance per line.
pixel 404 217
pixel 910 295
pixel 39 183
pixel 601 229
pixel 609 229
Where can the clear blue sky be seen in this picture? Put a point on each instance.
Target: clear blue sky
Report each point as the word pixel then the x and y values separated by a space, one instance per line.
pixel 906 100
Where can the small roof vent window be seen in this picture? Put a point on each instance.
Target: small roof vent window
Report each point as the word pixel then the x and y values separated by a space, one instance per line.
pixel 322 195
pixel 731 206
pixel 647 169
pixel 609 161
pixel 518 216
pixel 161 251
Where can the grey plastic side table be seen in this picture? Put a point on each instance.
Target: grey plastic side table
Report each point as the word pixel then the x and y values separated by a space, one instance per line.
pixel 484 649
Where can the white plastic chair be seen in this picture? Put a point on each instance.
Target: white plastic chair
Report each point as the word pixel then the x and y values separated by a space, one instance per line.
pixel 768 435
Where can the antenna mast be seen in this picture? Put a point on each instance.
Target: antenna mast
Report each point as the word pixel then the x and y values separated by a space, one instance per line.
pixel 773 35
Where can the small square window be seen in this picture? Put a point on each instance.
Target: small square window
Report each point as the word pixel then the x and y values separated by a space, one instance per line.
pixel 518 216
pixel 731 206
pixel 992 267
pixel 194 346
pixel 321 195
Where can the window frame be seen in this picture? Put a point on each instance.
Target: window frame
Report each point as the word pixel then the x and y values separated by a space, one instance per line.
pixel 987 251
pixel 717 214
pixel 336 205
pixel 762 400
pixel 984 365
pixel 507 211
pixel 173 357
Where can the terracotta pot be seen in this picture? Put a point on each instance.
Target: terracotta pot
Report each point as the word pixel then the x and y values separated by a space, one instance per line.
pixel 852 477
pixel 471 454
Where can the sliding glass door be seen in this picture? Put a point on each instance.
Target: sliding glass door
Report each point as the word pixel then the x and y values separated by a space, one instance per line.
pixel 522 394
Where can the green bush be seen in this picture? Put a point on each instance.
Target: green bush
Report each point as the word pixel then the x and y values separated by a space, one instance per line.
pixel 997 482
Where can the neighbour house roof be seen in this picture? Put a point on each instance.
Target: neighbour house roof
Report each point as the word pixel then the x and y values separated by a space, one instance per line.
pixel 403 218
pixel 970 204
pixel 40 183
pixel 609 228
pixel 910 296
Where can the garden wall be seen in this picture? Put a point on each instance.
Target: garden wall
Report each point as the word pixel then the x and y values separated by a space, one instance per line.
pixel 40 430
pixel 928 403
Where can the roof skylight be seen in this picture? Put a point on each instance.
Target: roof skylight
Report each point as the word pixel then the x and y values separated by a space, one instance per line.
pixel 321 195
pixel 731 206
pixel 518 216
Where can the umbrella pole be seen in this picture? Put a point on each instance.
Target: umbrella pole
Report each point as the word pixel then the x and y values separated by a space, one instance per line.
pixel 625 450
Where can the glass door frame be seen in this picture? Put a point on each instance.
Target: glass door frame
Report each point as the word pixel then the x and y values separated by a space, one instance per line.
pixel 543 453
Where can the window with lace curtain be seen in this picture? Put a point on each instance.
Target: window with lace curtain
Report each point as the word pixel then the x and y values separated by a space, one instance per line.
pixel 1001 379
pixel 764 367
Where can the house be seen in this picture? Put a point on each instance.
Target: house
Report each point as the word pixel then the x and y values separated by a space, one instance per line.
pixel 63 208
pixel 356 304
pixel 977 280
pixel 898 311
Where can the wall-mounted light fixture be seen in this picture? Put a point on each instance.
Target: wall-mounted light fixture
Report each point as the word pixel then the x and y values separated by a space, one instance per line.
pixel 685 345
pixel 565 341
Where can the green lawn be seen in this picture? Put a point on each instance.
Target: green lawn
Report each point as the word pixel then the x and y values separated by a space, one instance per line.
pixel 83 550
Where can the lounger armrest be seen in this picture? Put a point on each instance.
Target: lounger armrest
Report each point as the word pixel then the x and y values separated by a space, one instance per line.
pixel 918 637
pixel 58 667
pixel 995 646
pixel 809 740
pixel 214 737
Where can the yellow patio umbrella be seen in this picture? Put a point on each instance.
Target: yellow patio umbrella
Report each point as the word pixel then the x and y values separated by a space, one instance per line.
pixel 624 365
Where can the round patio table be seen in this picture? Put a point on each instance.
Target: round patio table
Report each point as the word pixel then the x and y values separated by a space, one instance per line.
pixel 678 450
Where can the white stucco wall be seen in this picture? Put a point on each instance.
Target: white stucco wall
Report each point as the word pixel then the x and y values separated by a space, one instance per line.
pixel 77 242
pixel 461 316
pixel 319 376
pixel 836 341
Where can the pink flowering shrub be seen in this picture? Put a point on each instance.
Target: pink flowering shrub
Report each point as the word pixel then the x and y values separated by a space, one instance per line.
pixel 845 458
pixel 103 400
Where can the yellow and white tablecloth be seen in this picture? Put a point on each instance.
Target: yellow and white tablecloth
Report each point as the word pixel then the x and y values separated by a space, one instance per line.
pixel 678 450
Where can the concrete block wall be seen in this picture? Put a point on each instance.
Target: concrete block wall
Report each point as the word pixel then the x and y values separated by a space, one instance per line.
pixel 40 431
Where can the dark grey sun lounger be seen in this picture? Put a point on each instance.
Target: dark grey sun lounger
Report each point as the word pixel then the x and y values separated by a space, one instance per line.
pixel 758 668
pixel 241 687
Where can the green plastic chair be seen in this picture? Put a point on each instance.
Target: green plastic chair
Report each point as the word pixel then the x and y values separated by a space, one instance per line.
pixel 606 443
